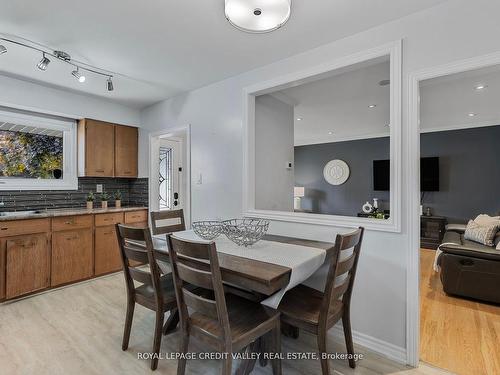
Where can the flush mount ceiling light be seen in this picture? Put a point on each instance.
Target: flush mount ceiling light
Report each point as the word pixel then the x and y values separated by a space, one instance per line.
pixel 299 118
pixel 472 114
pixel 480 87
pixel 372 106
pixel 44 62
pixel 257 16
pixel 62 57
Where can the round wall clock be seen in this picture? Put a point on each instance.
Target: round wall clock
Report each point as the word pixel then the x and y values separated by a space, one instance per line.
pixel 336 172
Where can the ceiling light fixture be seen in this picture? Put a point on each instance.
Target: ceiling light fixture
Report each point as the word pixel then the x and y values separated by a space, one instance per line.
pixel 63 57
pixel 472 114
pixel 256 16
pixel 330 133
pixel 44 62
pixel 79 76
pixel 299 118
pixel 480 87
pixel 372 106
pixel 110 84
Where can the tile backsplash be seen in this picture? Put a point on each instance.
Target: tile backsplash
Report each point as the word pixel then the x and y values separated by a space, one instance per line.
pixel 134 193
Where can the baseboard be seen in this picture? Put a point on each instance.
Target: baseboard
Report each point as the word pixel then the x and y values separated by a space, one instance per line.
pixel 384 348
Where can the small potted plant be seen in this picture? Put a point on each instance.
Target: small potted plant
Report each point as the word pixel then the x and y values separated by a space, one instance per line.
pixel 118 199
pixel 90 200
pixel 104 200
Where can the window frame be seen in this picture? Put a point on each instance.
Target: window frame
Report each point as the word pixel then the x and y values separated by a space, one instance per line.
pixel 393 224
pixel 69 129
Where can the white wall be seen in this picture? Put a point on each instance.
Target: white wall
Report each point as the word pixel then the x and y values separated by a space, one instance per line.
pixel 21 94
pixel 455 30
pixel 274 149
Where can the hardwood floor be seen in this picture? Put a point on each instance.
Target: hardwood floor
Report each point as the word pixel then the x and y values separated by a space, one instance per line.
pixel 456 334
pixel 78 330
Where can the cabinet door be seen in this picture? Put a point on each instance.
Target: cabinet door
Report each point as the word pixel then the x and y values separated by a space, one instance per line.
pixel 99 148
pixel 72 256
pixel 27 264
pixel 107 253
pixel 126 151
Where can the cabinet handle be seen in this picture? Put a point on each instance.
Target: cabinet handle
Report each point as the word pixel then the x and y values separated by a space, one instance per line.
pixel 108 233
pixel 71 238
pixel 69 222
pixel 100 170
pixel 127 172
pixel 4 228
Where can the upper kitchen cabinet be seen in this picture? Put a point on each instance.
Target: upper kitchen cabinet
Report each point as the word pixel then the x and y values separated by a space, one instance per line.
pixel 126 150
pixel 107 150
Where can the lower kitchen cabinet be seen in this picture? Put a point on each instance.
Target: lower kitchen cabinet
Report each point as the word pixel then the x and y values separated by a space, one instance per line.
pixel 27 264
pixel 72 256
pixel 107 254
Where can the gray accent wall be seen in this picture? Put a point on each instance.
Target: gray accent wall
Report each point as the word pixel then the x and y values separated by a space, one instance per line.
pixel 469 163
pixel 348 198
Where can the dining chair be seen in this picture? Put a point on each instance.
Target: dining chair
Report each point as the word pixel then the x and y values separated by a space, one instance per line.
pixel 168 221
pixel 226 322
pixel 316 312
pixel 155 292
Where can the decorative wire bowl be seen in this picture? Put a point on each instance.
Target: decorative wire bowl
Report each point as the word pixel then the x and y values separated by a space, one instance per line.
pixel 208 230
pixel 245 232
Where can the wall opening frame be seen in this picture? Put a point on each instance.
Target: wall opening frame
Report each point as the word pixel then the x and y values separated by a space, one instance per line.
pixel 393 224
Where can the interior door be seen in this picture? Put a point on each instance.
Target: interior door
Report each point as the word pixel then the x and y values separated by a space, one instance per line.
pixel 170 175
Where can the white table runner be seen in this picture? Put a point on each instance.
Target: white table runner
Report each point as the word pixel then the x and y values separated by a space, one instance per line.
pixel 302 260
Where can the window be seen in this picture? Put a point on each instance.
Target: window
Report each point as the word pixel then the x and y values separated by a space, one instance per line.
pixel 37 152
pixel 165 178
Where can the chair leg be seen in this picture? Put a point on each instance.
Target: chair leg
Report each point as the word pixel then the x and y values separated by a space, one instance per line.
pixel 346 323
pixel 172 322
pixel 128 324
pixel 157 338
pixel 227 364
pixel 325 368
pixel 276 363
pixel 181 364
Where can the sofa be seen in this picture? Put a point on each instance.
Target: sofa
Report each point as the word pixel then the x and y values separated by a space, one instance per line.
pixel 469 269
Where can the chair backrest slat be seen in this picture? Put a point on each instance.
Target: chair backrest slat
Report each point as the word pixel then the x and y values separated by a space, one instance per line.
pixel 144 254
pixel 189 267
pixel 168 221
pixel 140 276
pixel 199 278
pixel 200 304
pixel 347 267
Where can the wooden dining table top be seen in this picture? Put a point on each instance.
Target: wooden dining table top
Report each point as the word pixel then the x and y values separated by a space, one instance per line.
pixel 261 277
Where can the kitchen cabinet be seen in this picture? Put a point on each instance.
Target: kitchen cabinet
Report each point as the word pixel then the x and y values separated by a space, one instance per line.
pixel 72 256
pixel 106 149
pixel 27 264
pixel 107 253
pixel 96 150
pixel 126 151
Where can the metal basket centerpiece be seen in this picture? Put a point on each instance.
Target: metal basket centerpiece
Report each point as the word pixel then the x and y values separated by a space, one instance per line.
pixel 208 230
pixel 245 232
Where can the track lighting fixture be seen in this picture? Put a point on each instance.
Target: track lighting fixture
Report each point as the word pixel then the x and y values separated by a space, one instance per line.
pixel 44 62
pixel 63 57
pixel 79 76
pixel 110 84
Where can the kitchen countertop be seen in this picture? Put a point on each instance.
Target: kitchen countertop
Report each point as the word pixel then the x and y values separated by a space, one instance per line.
pixel 66 212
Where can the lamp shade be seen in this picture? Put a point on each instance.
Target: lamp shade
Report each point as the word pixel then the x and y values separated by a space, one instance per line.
pixel 258 16
pixel 298 192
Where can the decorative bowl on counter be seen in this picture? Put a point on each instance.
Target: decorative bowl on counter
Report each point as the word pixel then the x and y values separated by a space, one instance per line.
pixel 245 232
pixel 208 229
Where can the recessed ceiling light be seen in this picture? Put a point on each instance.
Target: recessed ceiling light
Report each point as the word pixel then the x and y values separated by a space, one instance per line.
pixel 480 87
pixel 330 133
pixel 471 114
pixel 299 118
pixel 256 16
pixel 372 106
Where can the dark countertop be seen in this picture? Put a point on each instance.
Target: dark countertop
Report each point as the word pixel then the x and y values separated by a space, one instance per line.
pixel 65 212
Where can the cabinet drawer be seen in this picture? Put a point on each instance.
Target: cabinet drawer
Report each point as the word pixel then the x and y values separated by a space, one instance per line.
pixel 17 227
pixel 108 219
pixel 71 222
pixel 136 216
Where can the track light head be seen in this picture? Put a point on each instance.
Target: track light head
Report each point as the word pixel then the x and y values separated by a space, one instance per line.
pixel 2 49
pixel 76 73
pixel 44 62
pixel 110 84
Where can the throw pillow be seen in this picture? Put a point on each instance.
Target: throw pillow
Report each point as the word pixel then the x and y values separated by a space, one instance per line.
pixel 487 220
pixel 479 233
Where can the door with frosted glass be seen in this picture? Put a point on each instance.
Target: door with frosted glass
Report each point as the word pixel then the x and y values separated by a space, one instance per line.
pixel 169 175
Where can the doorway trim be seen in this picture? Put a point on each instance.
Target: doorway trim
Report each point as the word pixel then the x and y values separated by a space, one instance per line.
pixel 187 167
pixel 413 190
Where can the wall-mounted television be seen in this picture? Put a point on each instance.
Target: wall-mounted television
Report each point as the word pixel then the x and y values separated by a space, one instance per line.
pixel 429 174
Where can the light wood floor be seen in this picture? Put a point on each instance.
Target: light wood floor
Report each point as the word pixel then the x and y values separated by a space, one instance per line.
pixel 78 330
pixel 457 334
